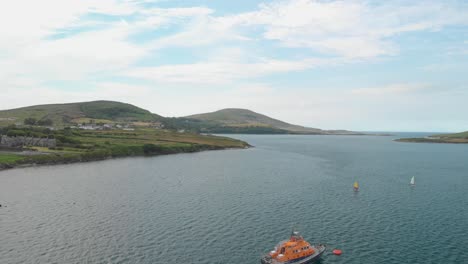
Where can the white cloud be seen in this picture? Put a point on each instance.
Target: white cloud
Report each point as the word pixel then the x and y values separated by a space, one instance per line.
pixel 179 12
pixel 350 30
pixel 201 31
pixel 29 50
pixel 445 67
pixel 355 29
pixel 222 71
pixel 155 17
pixel 393 89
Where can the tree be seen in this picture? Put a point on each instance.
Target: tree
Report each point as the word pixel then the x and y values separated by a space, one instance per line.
pixel 16 133
pixel 30 121
pixel 45 122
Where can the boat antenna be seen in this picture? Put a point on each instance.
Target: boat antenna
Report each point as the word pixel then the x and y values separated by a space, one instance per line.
pixel 294 230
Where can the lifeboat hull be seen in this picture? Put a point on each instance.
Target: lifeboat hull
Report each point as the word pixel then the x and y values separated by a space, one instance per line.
pixel 319 249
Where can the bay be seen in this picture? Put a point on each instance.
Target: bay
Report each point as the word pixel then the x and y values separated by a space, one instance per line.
pixel 231 206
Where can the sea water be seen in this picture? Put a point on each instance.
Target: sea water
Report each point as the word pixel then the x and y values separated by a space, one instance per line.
pixel 231 206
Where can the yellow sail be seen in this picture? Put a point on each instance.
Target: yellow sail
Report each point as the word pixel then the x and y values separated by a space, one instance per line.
pixel 356 185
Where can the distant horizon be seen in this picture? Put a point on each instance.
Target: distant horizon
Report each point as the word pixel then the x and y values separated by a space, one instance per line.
pixel 354 65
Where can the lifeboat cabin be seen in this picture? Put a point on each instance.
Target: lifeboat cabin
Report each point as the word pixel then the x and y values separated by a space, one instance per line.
pixel 293 251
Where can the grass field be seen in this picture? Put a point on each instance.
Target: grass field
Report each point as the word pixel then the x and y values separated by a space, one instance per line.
pixel 86 145
pixel 10 158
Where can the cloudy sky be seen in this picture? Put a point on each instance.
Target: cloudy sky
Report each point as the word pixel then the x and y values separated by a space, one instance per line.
pixel 359 65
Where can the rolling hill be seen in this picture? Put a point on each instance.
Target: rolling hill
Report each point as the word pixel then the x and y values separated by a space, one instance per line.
pixel 230 120
pixel 235 120
pixel 72 113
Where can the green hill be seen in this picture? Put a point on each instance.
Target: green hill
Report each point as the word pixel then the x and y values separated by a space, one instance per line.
pixel 234 120
pixel 66 114
pixel 231 120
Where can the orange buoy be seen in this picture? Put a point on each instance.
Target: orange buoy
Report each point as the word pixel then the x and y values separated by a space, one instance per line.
pixel 337 252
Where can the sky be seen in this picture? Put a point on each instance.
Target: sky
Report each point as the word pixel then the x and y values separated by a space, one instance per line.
pixel 356 65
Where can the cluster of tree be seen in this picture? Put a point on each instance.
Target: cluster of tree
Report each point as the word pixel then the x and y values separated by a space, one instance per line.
pixel 37 132
pixel 31 121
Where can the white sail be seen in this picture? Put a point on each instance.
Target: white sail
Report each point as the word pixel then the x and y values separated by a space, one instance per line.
pixel 412 181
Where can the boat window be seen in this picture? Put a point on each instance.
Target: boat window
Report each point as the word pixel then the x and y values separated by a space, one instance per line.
pixel 282 250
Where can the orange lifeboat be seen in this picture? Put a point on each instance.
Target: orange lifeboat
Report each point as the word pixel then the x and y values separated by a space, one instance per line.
pixel 294 251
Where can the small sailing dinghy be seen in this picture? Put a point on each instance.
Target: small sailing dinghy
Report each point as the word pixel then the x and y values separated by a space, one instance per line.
pixel 356 186
pixel 412 181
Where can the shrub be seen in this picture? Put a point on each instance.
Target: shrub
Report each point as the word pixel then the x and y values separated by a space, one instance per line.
pixel 45 122
pixel 67 140
pixel 16 133
pixel 151 149
pixel 30 121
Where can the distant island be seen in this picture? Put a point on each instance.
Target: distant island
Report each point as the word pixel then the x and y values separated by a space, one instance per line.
pixel 455 138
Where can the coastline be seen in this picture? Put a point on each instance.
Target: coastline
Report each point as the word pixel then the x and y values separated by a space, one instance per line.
pixel 434 141
pixel 75 146
pixel 60 160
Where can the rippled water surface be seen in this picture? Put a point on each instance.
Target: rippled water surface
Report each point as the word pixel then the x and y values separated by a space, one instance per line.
pixel 230 206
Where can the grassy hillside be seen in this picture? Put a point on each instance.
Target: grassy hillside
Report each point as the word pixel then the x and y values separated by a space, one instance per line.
pixel 234 120
pixel 241 118
pixel 235 116
pixel 116 111
pixel 66 114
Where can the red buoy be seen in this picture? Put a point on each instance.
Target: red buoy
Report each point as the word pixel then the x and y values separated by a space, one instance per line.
pixel 337 252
